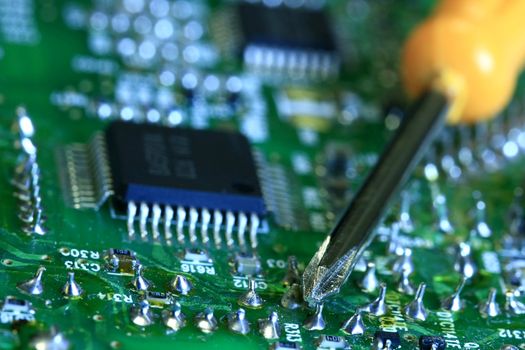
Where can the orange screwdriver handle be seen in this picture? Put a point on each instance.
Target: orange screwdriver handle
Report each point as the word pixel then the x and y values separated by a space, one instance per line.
pixel 478 45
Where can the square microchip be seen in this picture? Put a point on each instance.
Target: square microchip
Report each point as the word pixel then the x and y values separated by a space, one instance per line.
pixel 183 167
pixel 284 27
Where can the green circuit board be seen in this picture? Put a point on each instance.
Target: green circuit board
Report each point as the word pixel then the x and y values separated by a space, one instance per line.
pixel 315 123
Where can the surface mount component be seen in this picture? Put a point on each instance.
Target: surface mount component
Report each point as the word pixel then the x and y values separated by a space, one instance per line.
pixel 183 167
pixel 122 261
pixel 247 264
pixel 428 342
pixel 282 39
pixel 386 340
pixel 284 27
pixel 332 342
pixel 202 180
pixel 15 309
pixel 285 346
pixel 159 299
pixel 154 164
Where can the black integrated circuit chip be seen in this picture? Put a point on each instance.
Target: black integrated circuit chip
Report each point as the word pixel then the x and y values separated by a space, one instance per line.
pixel 277 40
pixel 183 167
pixel 284 27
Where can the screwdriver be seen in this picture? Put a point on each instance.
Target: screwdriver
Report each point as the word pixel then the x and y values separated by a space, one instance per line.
pixel 463 64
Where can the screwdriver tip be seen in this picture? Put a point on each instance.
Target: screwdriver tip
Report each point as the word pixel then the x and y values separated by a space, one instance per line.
pixel 321 281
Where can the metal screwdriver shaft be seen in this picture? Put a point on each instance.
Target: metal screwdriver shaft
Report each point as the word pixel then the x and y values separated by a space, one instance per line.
pixel 335 259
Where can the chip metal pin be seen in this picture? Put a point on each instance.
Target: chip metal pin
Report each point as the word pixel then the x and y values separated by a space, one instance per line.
pixel 143 219
pixel 138 281
pixel 206 321
pixel 403 284
pixel 369 283
pixel 168 218
pixel 174 318
pixel 405 220
pixel 217 223
pixel 34 285
pixel 404 262
pixel 516 211
pixel 380 345
pixel 378 307
pixel 464 263
pixel 181 217
pixel 181 285
pixel 241 231
pixel 490 307
pixel 205 224
pixel 193 219
pixel 23 124
pixel 466 154
pixel 230 222
pixel 454 302
pixel 354 325
pixel 72 289
pixel 141 314
pixel 393 240
pixel 293 297
pixel 26 213
pixel 22 172
pixel 238 323
pixel 270 327
pixel 481 227
pixel 513 306
pixel 155 220
pixel 37 226
pixel 315 322
pixel 415 309
pixel 51 340
pixel 251 299
pixel 440 206
pixel 22 183
pixel 132 212
pixel 254 226
pixel 293 276
pixel 509 347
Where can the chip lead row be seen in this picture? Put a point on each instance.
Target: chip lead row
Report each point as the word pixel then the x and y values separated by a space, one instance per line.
pixel 187 220
pixel 26 177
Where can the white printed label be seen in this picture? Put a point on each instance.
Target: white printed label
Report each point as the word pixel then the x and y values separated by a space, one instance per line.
pixel 80 253
pixel 82 264
pixel 293 332
pixel 242 283
pixel 116 297
pixel 198 268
